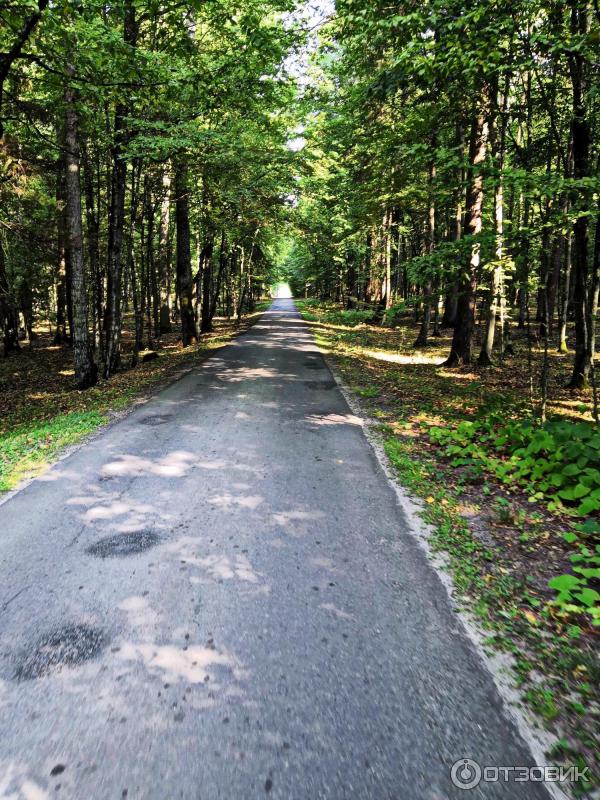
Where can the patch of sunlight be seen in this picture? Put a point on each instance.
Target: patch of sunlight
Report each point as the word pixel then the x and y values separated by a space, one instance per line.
pixel 571 409
pixel 229 501
pixel 430 419
pixel 460 376
pixel 221 567
pixel 408 433
pixel 399 358
pixel 31 791
pixel 140 613
pixel 468 510
pixel 331 327
pixel 281 291
pixel 189 664
pixel 333 419
pixel 174 465
pixel 118 508
pixel 67 373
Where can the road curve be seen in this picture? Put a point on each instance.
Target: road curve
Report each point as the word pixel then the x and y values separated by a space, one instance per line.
pixel 218 598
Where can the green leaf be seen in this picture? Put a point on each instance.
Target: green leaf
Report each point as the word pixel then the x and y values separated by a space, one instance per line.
pixel 588 597
pixel 564 583
pixel 589 505
pixel 587 572
pixel 580 491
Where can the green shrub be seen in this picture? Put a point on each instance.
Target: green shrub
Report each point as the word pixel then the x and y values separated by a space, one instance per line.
pixel 352 317
pixel 558 462
pixel 393 315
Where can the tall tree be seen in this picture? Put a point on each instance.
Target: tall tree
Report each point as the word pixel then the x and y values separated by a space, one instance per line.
pixel 85 368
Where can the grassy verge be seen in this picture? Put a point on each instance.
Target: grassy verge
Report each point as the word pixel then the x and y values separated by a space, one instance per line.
pixel 41 414
pixel 507 534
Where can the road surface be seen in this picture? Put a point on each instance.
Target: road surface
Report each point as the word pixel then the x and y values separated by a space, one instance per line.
pixel 218 598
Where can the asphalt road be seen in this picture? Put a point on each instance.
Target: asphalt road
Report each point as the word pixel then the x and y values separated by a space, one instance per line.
pixel 218 598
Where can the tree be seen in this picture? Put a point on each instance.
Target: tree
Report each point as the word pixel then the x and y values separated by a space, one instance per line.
pixel 85 369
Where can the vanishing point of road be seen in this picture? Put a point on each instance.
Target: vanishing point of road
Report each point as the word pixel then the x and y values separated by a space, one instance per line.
pixel 219 597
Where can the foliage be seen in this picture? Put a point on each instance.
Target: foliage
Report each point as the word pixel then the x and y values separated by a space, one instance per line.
pixel 558 461
pixel 393 314
pixel 352 317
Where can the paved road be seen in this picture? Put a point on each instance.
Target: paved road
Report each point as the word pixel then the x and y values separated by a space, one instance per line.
pixel 217 598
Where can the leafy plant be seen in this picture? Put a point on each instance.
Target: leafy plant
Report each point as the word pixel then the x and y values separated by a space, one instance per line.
pixel 393 315
pixel 578 592
pixel 558 462
pixel 352 317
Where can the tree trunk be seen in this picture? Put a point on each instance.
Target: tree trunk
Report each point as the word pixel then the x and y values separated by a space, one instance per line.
pixel 60 334
pixel 455 232
pixel 580 133
pixel 9 315
pixel 117 217
pixel 462 340
pixel 595 287
pixel 206 319
pixel 85 369
pixel 423 336
pixel 566 297
pixel 498 144
pixel 92 210
pixel 164 254
pixel 136 294
pixel 387 240
pixel 115 241
pixel 185 283
pixel 217 287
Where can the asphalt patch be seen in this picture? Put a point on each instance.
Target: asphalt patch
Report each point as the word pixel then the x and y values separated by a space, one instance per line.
pixel 65 647
pixel 320 385
pixel 120 545
pixel 156 419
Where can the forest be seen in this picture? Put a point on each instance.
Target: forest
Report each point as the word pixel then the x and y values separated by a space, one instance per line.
pixel 426 178
pixel 458 174
pixel 143 166
pixel 448 165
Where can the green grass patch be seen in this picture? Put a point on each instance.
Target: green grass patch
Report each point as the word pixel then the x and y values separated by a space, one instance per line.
pixel 46 414
pixel 27 450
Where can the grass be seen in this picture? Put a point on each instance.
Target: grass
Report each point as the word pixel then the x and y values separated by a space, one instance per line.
pixel 41 414
pixel 27 449
pixel 501 548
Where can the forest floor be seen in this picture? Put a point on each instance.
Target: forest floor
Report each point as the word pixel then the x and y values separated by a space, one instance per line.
pixel 502 537
pixel 41 413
